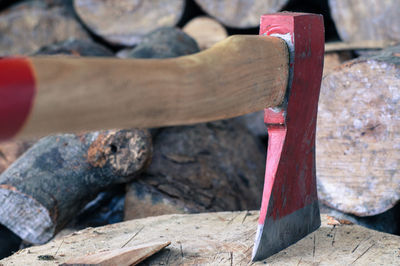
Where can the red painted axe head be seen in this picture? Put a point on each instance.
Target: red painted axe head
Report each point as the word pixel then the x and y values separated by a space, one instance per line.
pixel 289 208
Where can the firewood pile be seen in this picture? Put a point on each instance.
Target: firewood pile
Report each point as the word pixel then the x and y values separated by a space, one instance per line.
pixel 65 182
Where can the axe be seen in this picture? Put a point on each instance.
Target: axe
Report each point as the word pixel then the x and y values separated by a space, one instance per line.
pixel 279 71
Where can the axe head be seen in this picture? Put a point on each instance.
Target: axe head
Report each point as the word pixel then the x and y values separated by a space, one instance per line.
pixel 289 208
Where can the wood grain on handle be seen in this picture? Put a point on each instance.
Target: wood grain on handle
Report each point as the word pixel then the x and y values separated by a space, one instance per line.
pixel 239 75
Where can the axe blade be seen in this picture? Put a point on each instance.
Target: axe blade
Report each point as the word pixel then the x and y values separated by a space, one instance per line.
pixel 289 208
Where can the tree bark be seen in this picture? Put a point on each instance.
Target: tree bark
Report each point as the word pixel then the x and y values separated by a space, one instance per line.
pixel 125 22
pixel 53 180
pixel 28 26
pixel 359 20
pixel 240 13
pixel 358 135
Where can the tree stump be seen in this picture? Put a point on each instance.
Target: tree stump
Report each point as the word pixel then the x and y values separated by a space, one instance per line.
pixel 206 31
pixel 47 186
pixel 240 13
pixel 359 20
pixel 28 26
pixel 222 238
pixel 125 22
pixel 358 136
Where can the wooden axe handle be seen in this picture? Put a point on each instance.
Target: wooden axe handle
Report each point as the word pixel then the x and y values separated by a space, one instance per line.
pixel 239 75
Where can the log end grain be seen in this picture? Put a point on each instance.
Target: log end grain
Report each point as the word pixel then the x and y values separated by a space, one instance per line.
pixel 206 31
pixel 25 216
pixel 125 22
pixel 127 152
pixel 358 135
pixel 30 25
pixel 366 19
pixel 240 13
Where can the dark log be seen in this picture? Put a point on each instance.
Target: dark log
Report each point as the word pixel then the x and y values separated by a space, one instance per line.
pixel 206 31
pixel 240 13
pixel 358 136
pixel 165 42
pixel 53 180
pixel 144 200
pixel 75 48
pixel 359 20
pixel 206 167
pixel 125 22
pixel 28 26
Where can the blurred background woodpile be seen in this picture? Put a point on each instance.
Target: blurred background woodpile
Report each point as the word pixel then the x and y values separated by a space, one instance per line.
pixel 216 166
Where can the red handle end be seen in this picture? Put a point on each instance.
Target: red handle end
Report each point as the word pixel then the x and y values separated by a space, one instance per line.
pixel 17 90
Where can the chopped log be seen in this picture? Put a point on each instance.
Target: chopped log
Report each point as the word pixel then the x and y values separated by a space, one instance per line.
pixel 206 167
pixel 121 257
pixel 359 20
pixel 224 238
pixel 28 26
pixel 206 31
pixel 53 180
pixel 240 13
pixel 125 22
pixel 358 135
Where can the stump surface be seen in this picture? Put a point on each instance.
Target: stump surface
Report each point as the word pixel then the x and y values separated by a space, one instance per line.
pixel 224 238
